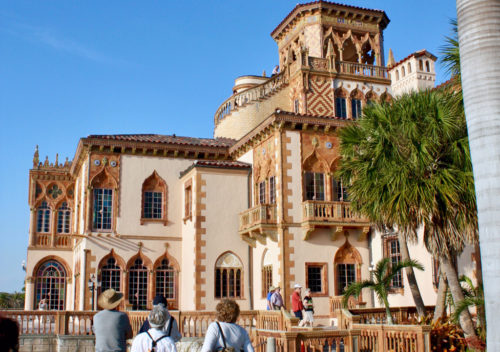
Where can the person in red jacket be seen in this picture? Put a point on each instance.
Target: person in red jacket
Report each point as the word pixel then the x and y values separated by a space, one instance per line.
pixel 297 305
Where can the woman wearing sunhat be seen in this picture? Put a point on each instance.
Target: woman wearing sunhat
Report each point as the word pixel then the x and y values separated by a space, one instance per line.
pixel 111 327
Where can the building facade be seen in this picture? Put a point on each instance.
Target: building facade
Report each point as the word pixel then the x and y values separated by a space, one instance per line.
pixel 200 219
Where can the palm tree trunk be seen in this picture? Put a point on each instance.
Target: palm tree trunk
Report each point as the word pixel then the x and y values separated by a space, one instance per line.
pixel 412 280
pixel 479 39
pixel 458 296
pixel 388 311
pixel 441 297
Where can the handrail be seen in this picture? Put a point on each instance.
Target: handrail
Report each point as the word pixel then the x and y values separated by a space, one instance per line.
pixel 329 211
pixel 261 91
pixel 354 68
pixel 260 214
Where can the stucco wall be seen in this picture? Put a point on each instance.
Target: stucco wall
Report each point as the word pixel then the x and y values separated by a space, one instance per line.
pixel 226 197
pixel 240 122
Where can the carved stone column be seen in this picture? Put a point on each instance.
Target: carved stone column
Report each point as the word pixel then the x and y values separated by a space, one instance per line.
pixel 53 227
pixel 32 238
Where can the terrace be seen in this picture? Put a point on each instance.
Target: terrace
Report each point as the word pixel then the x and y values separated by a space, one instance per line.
pixel 71 328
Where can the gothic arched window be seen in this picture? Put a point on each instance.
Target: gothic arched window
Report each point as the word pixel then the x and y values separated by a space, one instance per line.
pixel 154 202
pixel 138 285
pixel 166 280
pixel 43 218
pixel 63 218
pixel 228 276
pixel 50 284
pixel 110 275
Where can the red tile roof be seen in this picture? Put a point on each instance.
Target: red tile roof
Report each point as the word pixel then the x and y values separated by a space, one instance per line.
pixel 166 139
pixel 222 163
pixel 415 54
pixel 298 6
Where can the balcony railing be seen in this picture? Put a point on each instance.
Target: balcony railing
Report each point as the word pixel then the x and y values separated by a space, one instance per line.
pixel 261 214
pixel 49 240
pixel 256 93
pixel 353 68
pixel 330 212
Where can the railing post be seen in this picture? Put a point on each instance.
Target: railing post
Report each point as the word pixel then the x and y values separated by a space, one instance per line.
pixel 61 323
pixel 353 340
pixel 381 340
pixel 292 343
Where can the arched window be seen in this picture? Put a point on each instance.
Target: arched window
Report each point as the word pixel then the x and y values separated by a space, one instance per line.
pixel 103 199
pixel 403 72
pixel 347 267
pixel 420 65
pixel 228 272
pixel 110 275
pixel 43 218
pixel 267 273
pixel 340 103
pixel 154 194
pixel 138 285
pixel 63 218
pixel 427 66
pixel 397 75
pixel 50 284
pixel 166 280
pixel 409 67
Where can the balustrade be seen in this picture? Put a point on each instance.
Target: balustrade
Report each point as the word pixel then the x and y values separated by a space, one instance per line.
pixel 253 94
pixel 329 211
pixel 261 214
pixel 353 68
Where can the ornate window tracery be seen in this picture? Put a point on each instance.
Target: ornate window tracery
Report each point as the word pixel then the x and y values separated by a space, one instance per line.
pixel 154 193
pixel 138 285
pixel 347 265
pixel 63 218
pixel 110 275
pixel 50 284
pixel 43 218
pixel 166 278
pixel 228 276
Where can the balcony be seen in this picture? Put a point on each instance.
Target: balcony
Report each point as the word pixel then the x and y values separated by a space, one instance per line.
pixel 335 215
pixel 53 241
pixel 258 223
pixel 348 68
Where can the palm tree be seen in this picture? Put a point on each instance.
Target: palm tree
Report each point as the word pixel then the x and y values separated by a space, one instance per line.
pixel 474 296
pixel 479 38
pixel 408 165
pixel 380 283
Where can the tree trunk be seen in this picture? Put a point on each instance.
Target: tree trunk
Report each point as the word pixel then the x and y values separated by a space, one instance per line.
pixel 412 280
pixel 458 296
pixel 388 311
pixel 441 296
pixel 479 39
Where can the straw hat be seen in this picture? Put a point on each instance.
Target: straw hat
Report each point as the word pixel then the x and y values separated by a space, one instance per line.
pixel 109 299
pixel 272 288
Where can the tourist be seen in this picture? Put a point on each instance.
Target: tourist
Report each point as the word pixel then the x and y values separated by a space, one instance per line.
pixel 308 308
pixel 276 70
pixel 155 339
pixel 269 295
pixel 277 300
pixel 111 327
pixel 170 327
pixel 224 332
pixel 297 305
pixel 9 335
pixel 43 305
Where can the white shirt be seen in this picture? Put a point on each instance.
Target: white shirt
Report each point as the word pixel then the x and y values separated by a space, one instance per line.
pixel 235 335
pixel 143 343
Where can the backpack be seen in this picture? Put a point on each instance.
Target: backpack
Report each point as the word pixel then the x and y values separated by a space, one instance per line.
pixel 225 348
pixel 153 344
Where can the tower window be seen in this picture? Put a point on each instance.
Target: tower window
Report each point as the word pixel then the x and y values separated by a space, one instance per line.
pixel 340 107
pixel 356 108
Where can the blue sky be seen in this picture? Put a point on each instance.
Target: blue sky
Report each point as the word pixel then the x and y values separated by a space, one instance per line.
pixel 73 68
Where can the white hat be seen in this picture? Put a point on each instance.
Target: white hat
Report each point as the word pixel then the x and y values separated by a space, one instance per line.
pixel 297 286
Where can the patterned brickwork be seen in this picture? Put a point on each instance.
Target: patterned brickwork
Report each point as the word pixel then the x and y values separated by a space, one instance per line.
pixel 320 97
pixel 200 244
pixel 312 36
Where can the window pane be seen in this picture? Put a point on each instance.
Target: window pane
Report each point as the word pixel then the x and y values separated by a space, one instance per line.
pixel 103 208
pixel 319 185
pixel 356 108
pixel 262 192
pixel 272 190
pixel 314 276
pixel 340 107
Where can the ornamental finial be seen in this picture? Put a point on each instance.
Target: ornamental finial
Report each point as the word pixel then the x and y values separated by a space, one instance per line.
pixel 36 158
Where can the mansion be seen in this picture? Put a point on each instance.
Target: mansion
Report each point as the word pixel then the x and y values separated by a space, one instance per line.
pixel 199 219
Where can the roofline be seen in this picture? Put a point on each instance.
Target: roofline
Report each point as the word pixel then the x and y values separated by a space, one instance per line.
pixel 283 119
pixel 299 8
pixel 415 54
pixel 195 165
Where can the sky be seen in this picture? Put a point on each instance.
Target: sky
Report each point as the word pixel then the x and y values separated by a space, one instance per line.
pixel 73 68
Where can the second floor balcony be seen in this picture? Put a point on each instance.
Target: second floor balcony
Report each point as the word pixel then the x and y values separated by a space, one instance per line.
pixel 259 223
pixel 331 214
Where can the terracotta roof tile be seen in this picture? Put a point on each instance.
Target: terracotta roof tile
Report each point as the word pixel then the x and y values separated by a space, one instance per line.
pixel 167 139
pixel 223 164
pixel 416 54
